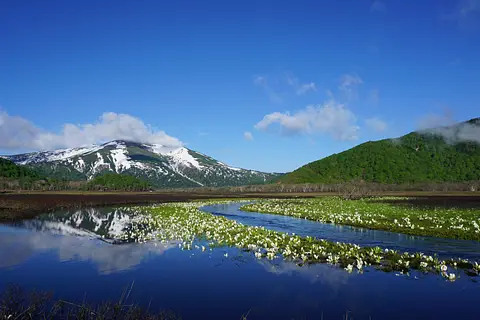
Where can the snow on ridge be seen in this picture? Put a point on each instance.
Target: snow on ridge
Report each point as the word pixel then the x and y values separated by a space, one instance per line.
pixel 160 149
pixel 64 154
pixel 183 157
pixel 58 155
pixel 228 167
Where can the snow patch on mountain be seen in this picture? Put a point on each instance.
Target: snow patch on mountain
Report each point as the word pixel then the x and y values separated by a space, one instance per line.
pixel 181 156
pixel 99 165
pixel 79 165
pixel 120 159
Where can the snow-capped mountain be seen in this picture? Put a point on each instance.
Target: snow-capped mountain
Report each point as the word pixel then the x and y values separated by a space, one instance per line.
pixel 162 166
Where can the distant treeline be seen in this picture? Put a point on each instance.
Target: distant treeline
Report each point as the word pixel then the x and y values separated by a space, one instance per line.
pixel 15 177
pixel 117 182
pixel 353 186
pixel 10 170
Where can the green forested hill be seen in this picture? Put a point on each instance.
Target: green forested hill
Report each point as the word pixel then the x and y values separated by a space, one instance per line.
pixel 8 169
pixel 415 157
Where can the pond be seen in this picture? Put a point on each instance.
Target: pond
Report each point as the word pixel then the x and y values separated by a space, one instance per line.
pixel 71 253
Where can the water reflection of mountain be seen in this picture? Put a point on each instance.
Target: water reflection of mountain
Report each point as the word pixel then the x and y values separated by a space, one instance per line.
pixel 19 247
pixel 93 222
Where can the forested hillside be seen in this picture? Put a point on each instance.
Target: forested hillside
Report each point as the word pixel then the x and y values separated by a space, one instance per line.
pixel 8 169
pixel 415 157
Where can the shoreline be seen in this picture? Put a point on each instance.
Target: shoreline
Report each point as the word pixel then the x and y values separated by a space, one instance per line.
pixel 27 205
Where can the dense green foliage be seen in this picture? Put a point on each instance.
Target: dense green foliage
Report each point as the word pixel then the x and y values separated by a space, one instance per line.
pixel 414 157
pixel 113 181
pixel 8 169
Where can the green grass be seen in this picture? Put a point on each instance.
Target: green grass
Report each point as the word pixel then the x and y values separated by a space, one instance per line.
pixel 185 223
pixel 456 223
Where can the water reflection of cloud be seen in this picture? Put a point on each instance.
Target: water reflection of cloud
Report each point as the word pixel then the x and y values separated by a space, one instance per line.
pixel 325 274
pixel 320 284
pixel 18 248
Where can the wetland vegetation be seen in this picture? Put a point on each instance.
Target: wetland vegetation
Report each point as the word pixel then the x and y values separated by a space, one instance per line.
pixel 184 255
pixel 383 213
pixel 186 223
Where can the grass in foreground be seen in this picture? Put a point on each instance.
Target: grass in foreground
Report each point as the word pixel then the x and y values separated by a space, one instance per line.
pixel 17 304
pixel 377 213
pixel 186 223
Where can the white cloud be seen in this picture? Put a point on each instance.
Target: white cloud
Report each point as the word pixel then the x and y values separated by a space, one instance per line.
pixel 376 124
pixel 378 6
pixel 106 258
pixel 248 135
pixel 348 85
pixel 330 118
pixel 449 129
pixel 300 89
pixel 19 133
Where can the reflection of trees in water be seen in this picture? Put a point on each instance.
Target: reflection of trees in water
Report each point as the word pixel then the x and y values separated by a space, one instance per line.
pixel 18 248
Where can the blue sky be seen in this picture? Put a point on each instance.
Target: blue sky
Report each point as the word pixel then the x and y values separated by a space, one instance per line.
pixel 267 85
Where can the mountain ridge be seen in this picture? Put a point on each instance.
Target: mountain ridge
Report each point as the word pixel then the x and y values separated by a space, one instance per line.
pixel 162 166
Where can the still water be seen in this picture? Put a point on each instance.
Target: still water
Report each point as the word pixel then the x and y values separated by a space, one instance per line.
pixel 444 248
pixel 70 253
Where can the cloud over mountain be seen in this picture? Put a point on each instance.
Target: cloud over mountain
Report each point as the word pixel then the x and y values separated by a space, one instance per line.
pixel 20 133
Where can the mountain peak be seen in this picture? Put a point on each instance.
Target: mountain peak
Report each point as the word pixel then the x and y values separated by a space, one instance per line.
pixel 162 166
